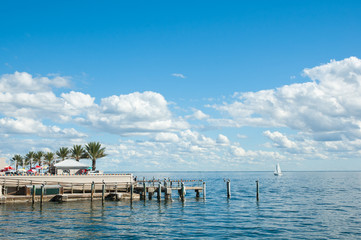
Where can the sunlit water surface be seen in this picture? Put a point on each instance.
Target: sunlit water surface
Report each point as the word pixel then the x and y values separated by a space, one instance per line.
pixel 302 205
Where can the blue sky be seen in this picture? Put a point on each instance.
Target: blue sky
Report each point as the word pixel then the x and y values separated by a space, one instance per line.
pixel 164 85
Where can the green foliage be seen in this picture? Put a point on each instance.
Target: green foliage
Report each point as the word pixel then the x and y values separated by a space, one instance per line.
pixel 63 152
pixel 18 160
pixel 78 152
pixel 49 158
pixel 94 151
pixel 29 158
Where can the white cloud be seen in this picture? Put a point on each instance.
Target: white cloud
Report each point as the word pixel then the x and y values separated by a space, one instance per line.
pixel 31 126
pixel 280 140
pixel 25 82
pixel 135 113
pixel 78 100
pixel 178 75
pixel 328 106
pixel 198 115
pixel 221 139
pixel 166 137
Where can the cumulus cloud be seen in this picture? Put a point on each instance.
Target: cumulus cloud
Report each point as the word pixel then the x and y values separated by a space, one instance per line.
pixel 31 126
pixel 25 82
pixel 25 96
pixel 325 107
pixel 78 100
pixel 166 137
pixel 280 140
pixel 221 139
pixel 198 115
pixel 178 75
pixel 135 113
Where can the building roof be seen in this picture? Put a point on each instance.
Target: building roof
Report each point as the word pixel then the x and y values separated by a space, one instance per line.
pixel 70 164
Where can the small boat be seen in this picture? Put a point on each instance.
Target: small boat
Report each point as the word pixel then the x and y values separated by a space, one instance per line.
pixel 278 171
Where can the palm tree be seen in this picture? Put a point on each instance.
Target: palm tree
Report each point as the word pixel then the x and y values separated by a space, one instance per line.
pixel 63 153
pixel 38 157
pixel 29 157
pixel 94 151
pixel 78 152
pixel 18 159
pixel 49 157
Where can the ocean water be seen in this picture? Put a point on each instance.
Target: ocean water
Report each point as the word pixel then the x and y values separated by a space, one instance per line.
pixel 297 205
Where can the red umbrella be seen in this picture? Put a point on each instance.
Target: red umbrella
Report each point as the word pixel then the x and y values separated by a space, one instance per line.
pixel 38 167
pixel 31 171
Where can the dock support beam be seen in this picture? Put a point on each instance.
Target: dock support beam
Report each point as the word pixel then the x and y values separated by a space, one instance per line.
pixel 131 191
pixel 144 191
pixel 183 191
pixel 159 191
pixel 257 189
pixel 42 194
pixel 204 190
pixel 92 191
pixel 33 197
pixel 103 193
pixel 229 188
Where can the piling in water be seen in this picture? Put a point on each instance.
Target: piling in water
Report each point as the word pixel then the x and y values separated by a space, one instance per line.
pixel 103 192
pixel 42 194
pixel 229 189
pixel 33 197
pixel 92 191
pixel 131 191
pixel 159 191
pixel 204 190
pixel 257 188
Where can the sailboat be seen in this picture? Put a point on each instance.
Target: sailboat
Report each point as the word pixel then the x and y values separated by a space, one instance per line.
pixel 278 171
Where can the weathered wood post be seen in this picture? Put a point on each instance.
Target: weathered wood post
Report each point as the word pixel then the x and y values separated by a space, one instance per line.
pixel 42 194
pixel 229 188
pixel 131 191
pixel 183 191
pixel 103 192
pixel 116 187
pixel 144 191
pixel 33 197
pixel 92 191
pixel 71 189
pixel 83 187
pixel 18 187
pixel 204 190
pixel 257 188
pixel 159 191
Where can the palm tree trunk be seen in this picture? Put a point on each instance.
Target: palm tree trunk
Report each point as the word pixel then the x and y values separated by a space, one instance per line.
pixel 93 164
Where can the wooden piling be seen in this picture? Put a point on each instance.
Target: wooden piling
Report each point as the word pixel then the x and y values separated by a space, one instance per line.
pixel 257 189
pixel 33 197
pixel 92 191
pixel 183 191
pixel 144 191
pixel 131 191
pixel 159 191
pixel 103 192
pixel 229 188
pixel 204 190
pixel 42 194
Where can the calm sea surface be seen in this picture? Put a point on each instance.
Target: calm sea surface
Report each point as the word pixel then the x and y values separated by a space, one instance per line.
pixel 297 205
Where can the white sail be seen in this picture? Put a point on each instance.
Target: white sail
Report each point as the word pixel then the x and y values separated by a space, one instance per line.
pixel 278 171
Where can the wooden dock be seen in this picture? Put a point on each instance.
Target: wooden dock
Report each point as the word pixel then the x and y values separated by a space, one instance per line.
pixel 103 187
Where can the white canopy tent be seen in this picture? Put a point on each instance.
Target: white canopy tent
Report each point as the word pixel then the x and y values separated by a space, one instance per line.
pixel 69 166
